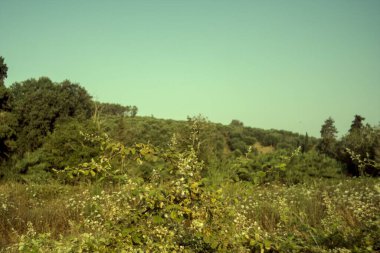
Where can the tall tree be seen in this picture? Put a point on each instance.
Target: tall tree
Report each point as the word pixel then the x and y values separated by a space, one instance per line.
pixel 305 144
pixel 357 123
pixel 327 144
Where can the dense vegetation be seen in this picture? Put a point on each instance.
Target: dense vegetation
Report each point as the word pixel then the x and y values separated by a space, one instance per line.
pixel 78 175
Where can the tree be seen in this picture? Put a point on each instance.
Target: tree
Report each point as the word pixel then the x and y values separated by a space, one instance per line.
pixel 4 94
pixel 236 123
pixel 357 123
pixel 3 71
pixel 38 104
pixel 305 144
pixel 327 144
pixel 7 119
pixel 361 140
pixel 360 137
pixel 8 124
pixel 134 111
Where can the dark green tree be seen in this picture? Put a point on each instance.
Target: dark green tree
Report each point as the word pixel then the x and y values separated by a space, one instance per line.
pixel 38 104
pixel 3 70
pixel 357 123
pixel 133 111
pixel 7 120
pixel 4 94
pixel 8 123
pixel 305 144
pixel 327 144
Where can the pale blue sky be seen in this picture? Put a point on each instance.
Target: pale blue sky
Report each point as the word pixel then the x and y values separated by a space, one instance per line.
pixel 271 64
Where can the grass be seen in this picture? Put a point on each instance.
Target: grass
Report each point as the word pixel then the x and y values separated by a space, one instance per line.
pixel 41 205
pixel 326 216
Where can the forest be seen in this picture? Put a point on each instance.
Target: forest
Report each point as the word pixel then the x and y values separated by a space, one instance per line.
pixel 79 175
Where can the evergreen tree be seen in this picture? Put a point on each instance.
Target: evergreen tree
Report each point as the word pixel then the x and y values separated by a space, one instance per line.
pixel 357 123
pixel 305 144
pixel 327 144
pixel 3 71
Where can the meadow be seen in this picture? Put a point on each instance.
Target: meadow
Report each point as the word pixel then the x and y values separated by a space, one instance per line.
pixel 326 216
pixel 183 206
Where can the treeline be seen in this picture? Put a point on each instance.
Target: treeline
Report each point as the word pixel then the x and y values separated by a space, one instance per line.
pixel 43 125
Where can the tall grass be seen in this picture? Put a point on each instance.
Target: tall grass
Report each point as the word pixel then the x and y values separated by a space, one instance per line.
pixel 44 206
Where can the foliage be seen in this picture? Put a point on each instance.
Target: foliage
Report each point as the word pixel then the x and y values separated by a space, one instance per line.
pixel 38 104
pixel 327 144
pixel 117 110
pixel 63 147
pixel 363 163
pixel 326 216
pixel 35 118
pixel 311 165
pixel 180 205
pixel 8 123
pixel 363 142
pixel 4 98
pixel 102 167
pixel 7 119
pixel 3 73
pixel 283 166
pixel 217 141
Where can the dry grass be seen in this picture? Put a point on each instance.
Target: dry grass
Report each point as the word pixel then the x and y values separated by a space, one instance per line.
pixel 42 205
pixel 263 149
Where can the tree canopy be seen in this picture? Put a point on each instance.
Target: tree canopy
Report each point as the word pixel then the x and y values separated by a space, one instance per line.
pixel 38 104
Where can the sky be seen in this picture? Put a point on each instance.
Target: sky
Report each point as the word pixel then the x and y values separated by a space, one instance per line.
pixel 270 64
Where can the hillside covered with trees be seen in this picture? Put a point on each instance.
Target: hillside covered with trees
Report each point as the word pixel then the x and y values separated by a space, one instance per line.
pixel 79 175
